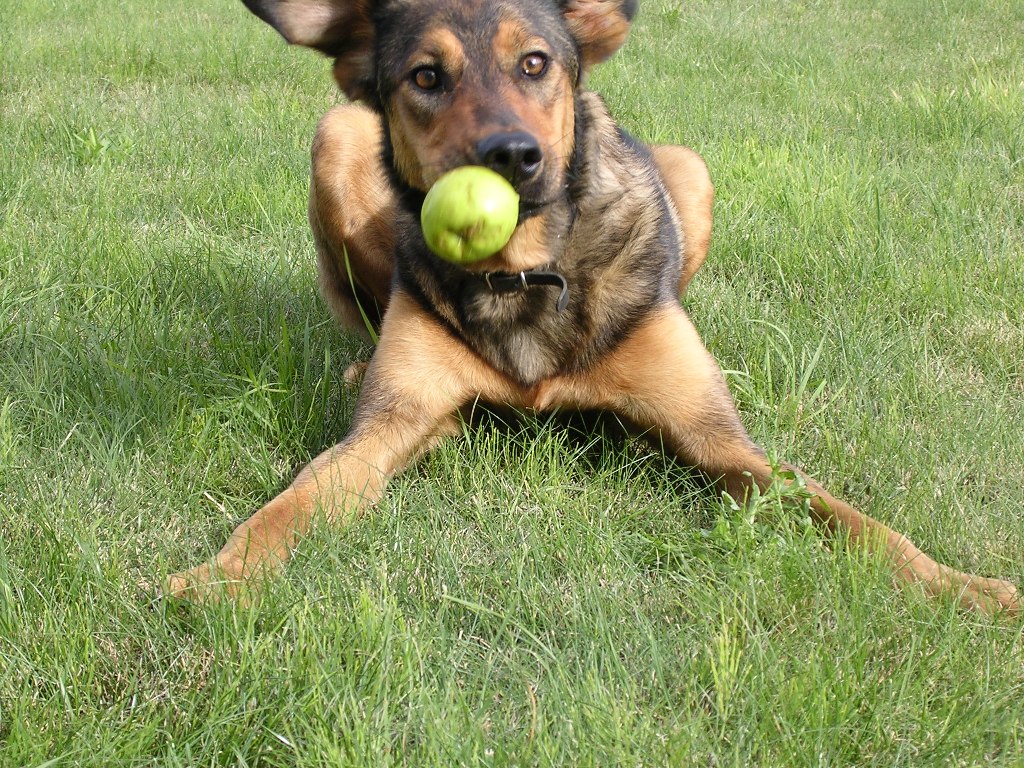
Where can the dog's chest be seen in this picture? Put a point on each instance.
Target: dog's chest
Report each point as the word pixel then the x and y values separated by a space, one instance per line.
pixel 522 335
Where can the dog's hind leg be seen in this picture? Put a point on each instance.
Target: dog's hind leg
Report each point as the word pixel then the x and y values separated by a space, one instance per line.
pixel 688 182
pixel 351 210
pixel 663 379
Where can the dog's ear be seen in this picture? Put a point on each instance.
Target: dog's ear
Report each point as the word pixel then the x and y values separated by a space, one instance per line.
pixel 600 27
pixel 342 29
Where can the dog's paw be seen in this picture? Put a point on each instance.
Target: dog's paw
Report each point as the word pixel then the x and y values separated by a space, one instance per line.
pixel 353 375
pixel 976 593
pixel 209 583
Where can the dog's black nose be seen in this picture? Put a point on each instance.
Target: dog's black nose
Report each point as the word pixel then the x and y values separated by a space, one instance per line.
pixel 516 155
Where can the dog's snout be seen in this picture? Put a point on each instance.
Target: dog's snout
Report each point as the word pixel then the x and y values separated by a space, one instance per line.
pixel 517 155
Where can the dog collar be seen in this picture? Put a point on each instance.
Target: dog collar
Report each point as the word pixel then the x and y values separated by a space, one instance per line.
pixel 513 282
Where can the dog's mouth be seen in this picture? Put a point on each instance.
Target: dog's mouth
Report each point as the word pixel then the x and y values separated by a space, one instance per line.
pixel 529 208
pixel 539 198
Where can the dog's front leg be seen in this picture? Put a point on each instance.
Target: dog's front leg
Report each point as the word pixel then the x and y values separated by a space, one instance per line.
pixel 662 378
pixel 334 486
pixel 418 378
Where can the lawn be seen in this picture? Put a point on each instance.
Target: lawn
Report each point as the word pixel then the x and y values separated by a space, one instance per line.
pixel 524 595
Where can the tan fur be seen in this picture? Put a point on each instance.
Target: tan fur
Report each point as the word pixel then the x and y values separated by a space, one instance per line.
pixel 528 249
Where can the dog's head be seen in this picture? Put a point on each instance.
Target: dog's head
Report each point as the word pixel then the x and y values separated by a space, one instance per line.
pixel 464 82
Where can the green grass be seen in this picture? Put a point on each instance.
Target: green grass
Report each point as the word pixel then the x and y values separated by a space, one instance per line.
pixel 527 597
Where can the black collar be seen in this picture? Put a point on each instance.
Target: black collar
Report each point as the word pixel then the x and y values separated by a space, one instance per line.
pixel 514 282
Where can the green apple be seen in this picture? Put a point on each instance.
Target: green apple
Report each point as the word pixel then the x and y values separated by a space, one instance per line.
pixel 469 214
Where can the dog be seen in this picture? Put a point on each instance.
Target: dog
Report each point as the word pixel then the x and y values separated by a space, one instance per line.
pixel 579 311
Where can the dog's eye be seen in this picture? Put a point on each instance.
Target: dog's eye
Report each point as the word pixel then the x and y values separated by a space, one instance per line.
pixel 426 78
pixel 534 64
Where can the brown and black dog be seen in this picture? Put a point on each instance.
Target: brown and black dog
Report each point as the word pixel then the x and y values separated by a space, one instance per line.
pixel 579 311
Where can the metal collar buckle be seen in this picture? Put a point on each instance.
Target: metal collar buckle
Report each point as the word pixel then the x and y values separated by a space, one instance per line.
pixel 508 282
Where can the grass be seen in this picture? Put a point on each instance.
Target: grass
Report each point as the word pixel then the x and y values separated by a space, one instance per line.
pixel 527 597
